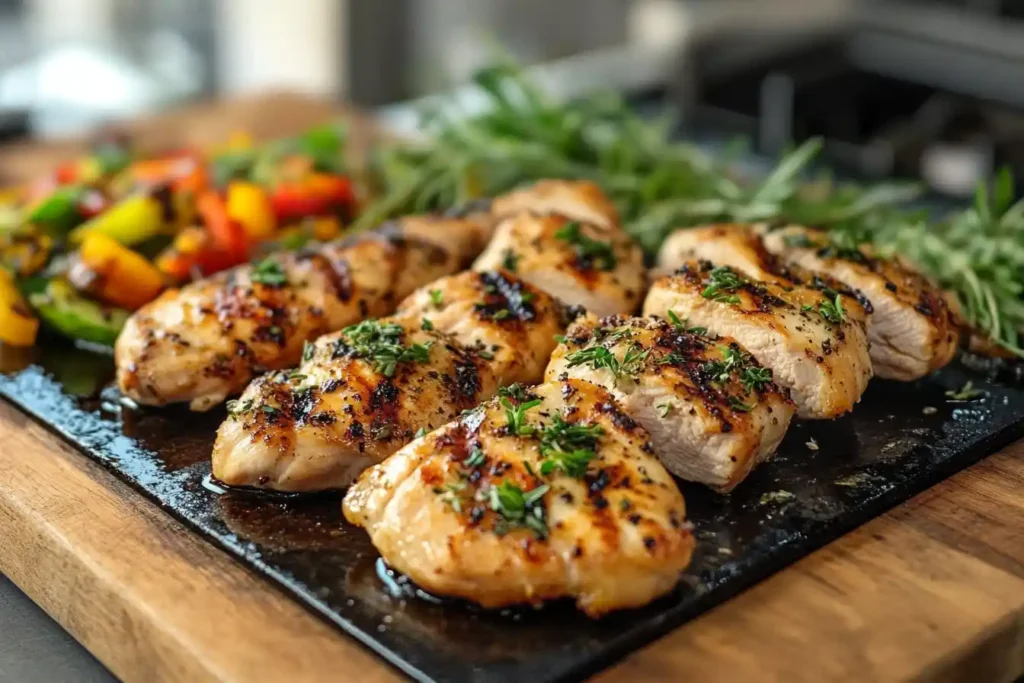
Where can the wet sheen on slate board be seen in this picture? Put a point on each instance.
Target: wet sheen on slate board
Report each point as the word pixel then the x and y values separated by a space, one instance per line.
pixel 901 439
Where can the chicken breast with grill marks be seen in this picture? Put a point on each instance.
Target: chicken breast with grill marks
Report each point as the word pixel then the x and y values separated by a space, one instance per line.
pixel 206 341
pixel 508 322
pixel 580 200
pixel 501 331
pixel 548 493
pixel 712 410
pixel 578 263
pixel 740 247
pixel 815 345
pixel 358 396
pixel 913 330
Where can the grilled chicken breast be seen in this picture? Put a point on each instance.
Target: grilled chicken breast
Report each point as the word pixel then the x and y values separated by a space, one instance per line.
pixel 814 344
pixel 713 412
pixel 544 494
pixel 455 341
pixel 357 397
pixel 579 263
pixel 912 328
pixel 206 341
pixel 509 323
pixel 580 200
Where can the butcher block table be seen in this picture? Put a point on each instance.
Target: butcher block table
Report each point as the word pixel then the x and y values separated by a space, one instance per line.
pixel 932 590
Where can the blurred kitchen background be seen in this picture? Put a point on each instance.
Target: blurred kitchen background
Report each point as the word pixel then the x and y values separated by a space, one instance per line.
pixel 913 88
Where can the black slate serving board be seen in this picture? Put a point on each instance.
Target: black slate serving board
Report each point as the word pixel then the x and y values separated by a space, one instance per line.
pixel 827 478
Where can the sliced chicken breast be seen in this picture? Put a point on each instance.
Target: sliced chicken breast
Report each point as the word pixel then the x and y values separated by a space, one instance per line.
pixel 358 396
pixel 206 341
pixel 713 412
pixel 543 494
pixel 913 330
pixel 509 323
pixel 580 200
pixel 578 263
pixel 813 343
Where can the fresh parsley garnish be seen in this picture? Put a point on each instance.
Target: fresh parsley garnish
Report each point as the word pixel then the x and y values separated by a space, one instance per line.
pixel 567 446
pixel 721 282
pixel 590 252
pixel 436 297
pixel 381 344
pixel 518 508
pixel 269 272
pixel 422 431
pixel 308 349
pixel 427 325
pixel 664 409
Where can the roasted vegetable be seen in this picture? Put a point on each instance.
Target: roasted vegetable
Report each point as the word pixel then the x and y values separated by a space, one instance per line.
pixel 248 204
pixel 122 277
pixel 18 327
pixel 68 313
pixel 130 221
pixel 24 253
pixel 227 233
pixel 59 212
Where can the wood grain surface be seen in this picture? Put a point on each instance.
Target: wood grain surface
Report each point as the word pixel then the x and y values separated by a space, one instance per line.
pixel 934 590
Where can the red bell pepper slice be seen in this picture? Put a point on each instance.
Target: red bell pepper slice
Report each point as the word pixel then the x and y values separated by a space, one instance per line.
pixel 228 235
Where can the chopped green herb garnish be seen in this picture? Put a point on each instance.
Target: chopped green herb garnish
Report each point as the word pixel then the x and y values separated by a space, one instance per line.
pixel 236 407
pixel 426 325
pixel 510 260
pixel 515 391
pixel 518 508
pixel 560 338
pixel 269 272
pixel 591 252
pixel 723 280
pixel 738 405
pixel 422 431
pixel 381 344
pixel 684 325
pixel 270 410
pixel 664 409
pixel 755 378
pixel 965 393
pixel 515 415
pixel 600 357
pixel 568 447
pixel 308 349
pixel 475 459
pixel 832 309
pixel 733 359
pixel 296 375
pixel 436 297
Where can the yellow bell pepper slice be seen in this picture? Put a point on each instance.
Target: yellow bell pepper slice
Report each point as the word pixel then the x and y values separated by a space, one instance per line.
pixel 18 327
pixel 249 205
pixel 130 221
pixel 124 278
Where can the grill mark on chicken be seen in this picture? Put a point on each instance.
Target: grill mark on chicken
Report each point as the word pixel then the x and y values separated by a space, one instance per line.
pixel 504 299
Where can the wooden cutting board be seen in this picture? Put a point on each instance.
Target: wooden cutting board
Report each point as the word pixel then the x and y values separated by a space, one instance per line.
pixel 933 590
